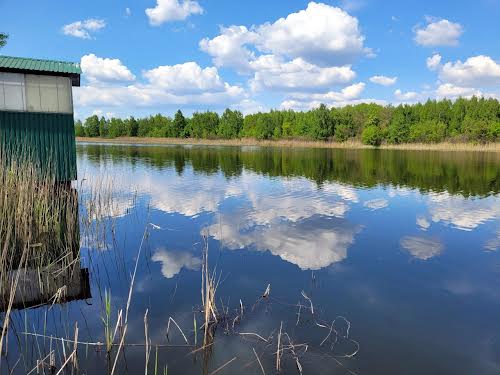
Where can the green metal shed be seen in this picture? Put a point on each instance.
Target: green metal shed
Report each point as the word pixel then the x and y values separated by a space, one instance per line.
pixel 36 114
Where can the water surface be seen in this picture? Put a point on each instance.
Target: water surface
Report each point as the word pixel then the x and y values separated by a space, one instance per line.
pixel 402 244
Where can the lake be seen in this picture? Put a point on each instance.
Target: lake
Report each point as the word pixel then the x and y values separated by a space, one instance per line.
pixel 377 261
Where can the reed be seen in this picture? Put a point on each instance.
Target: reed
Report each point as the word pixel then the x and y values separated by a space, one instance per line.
pixel 299 143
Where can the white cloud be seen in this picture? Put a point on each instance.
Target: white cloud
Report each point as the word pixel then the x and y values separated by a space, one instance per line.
pixel 460 213
pixel 172 262
pixel 229 48
pixel 310 245
pixel 188 77
pixel 408 96
pixel 320 34
pixel 376 204
pixel 305 52
pixel 450 91
pixel 347 96
pixel 172 10
pixel 383 80
pixel 423 223
pixel 83 29
pixel 298 74
pixel 182 84
pixel 420 247
pixel 434 61
pixel 493 244
pixel 475 71
pixel 104 69
pixel 438 33
pixel 128 12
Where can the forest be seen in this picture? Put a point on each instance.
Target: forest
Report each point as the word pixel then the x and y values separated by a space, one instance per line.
pixel 463 120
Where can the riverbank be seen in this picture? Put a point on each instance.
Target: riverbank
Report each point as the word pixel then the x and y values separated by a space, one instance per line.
pixel 444 146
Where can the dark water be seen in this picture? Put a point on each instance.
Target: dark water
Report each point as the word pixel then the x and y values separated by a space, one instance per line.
pixel 403 245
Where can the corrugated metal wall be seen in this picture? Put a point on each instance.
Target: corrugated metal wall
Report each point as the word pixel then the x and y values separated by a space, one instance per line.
pixel 46 139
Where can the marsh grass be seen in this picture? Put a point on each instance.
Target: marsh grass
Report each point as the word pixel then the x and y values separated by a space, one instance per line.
pixel 300 143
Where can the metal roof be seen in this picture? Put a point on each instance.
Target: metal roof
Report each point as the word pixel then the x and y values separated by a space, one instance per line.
pixel 38 65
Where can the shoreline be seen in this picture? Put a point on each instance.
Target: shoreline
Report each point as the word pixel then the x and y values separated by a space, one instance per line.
pixel 443 146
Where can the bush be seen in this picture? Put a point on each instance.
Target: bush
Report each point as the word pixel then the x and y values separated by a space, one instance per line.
pixel 371 135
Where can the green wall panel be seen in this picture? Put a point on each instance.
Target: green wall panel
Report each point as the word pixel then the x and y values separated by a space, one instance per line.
pixel 46 139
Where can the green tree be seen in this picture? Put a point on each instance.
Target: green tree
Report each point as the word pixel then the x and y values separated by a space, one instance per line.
pixel 92 126
pixel 179 124
pixel 132 127
pixel 79 129
pixel 117 128
pixel 103 127
pixel 230 124
pixel 326 126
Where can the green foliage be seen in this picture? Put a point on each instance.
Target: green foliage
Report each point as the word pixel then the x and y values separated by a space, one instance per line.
pixel 371 135
pixel 79 129
pixel 429 131
pixel 204 125
pixel 179 125
pixel 3 39
pixel 230 124
pixel 92 126
pixel 475 120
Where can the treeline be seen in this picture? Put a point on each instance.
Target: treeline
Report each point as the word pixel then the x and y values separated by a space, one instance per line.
pixel 466 120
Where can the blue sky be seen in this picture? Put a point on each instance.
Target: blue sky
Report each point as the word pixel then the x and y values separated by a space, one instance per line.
pixel 145 57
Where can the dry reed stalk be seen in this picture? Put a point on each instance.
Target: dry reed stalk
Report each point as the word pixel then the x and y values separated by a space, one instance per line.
pixel 119 350
pixel 260 363
pixel 147 341
pixel 170 319
pixel 278 352
pixel 221 367
pixel 350 144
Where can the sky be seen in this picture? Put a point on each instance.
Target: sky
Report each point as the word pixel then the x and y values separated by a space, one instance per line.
pixel 142 57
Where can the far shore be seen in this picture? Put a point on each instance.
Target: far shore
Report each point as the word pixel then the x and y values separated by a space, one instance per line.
pixel 444 146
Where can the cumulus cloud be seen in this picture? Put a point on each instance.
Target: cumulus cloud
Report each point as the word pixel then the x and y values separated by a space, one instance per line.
pixel 438 33
pixel 474 72
pixel 406 96
pixel 460 213
pixel 172 10
pixel 186 77
pixel 376 204
pixel 273 73
pixel 450 91
pixel 349 94
pixel 423 223
pixel 493 244
pixel 104 69
pixel 83 29
pixel 172 262
pixel 434 61
pixel 321 35
pixel 308 244
pixel 421 247
pixel 383 80
pixel 309 50
pixel 180 84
